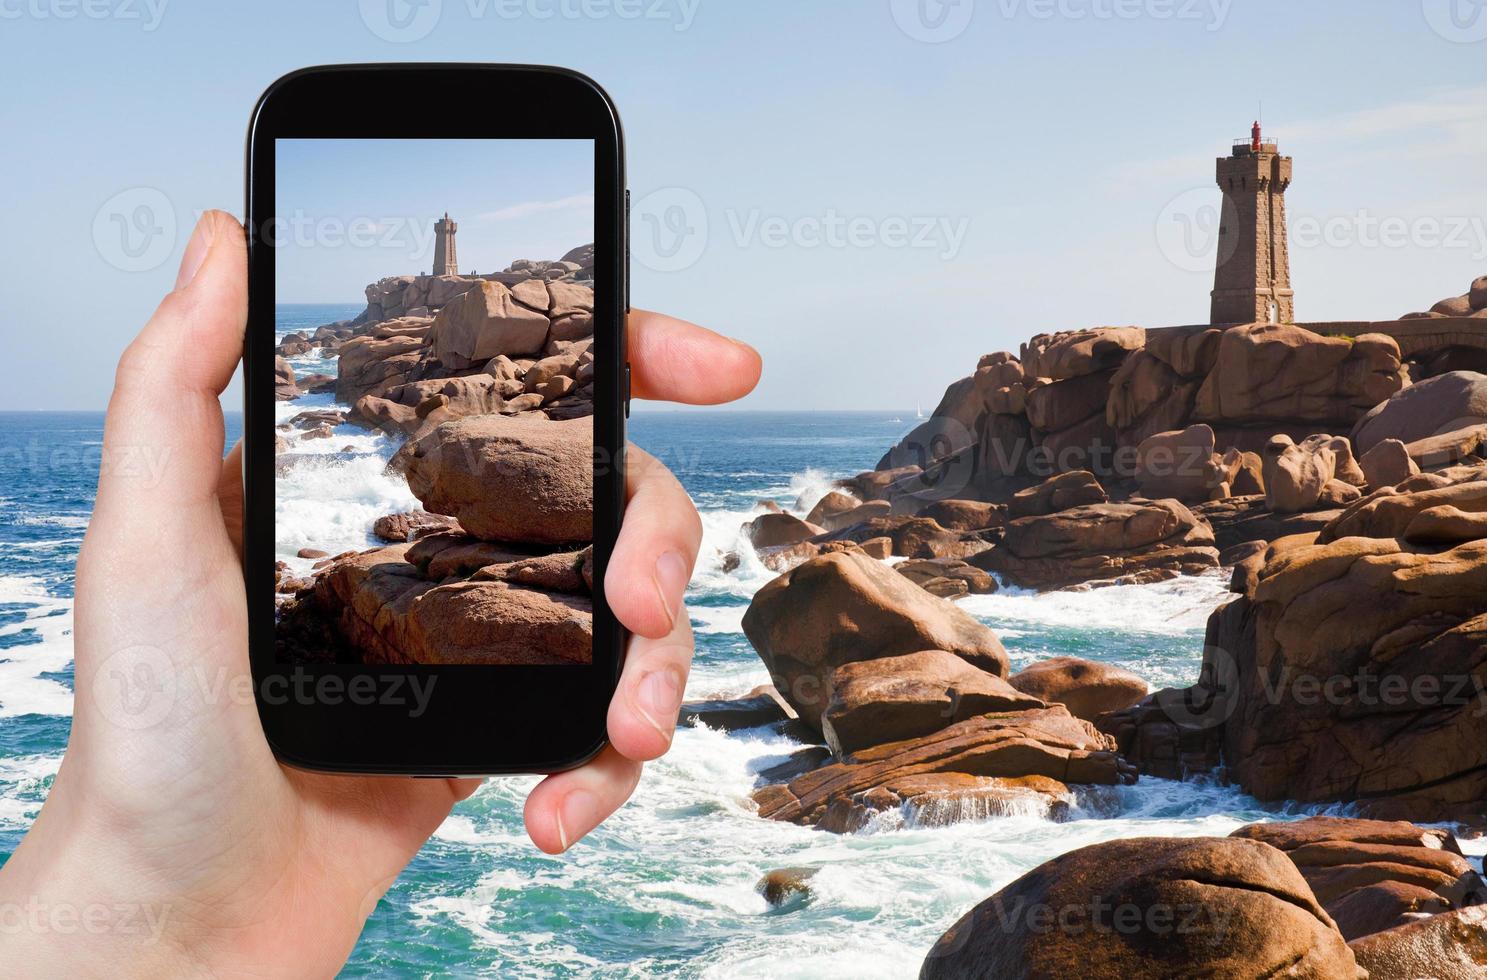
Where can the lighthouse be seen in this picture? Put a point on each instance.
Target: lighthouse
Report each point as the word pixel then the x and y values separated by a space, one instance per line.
pixel 1252 280
pixel 445 261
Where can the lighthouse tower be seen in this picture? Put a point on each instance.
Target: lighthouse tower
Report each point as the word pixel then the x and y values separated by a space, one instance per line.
pixel 1252 282
pixel 445 261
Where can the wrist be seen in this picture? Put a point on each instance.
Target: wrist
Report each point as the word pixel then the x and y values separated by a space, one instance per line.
pixel 67 908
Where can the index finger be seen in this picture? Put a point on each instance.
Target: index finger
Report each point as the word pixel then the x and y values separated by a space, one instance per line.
pixel 676 361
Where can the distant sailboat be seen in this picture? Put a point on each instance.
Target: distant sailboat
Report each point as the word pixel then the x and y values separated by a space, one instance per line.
pixel 918 411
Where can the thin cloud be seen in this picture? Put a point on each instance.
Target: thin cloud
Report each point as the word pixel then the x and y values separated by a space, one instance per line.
pixel 529 208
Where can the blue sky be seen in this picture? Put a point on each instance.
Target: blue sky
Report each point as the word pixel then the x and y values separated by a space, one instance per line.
pixel 871 193
pixel 353 211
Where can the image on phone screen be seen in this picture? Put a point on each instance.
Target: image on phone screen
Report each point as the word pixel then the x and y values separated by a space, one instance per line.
pixel 434 401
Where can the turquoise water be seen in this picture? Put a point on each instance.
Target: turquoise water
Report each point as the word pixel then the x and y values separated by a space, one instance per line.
pixel 667 886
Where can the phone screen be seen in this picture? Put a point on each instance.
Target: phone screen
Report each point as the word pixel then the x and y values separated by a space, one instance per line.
pixel 434 401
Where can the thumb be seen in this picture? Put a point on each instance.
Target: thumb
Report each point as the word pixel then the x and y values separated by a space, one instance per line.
pixel 162 443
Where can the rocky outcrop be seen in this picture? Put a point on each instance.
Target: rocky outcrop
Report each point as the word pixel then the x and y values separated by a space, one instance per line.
pixel 1350 664
pixel 1227 909
pixel 1267 374
pixel 910 537
pixel 507 478
pixel 1373 875
pixel 1137 541
pixel 1088 689
pixel 1433 407
pixel 895 698
pixel 412 603
pixel 1037 744
pixel 842 608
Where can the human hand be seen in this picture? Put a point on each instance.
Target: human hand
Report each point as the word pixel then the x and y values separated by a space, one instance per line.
pixel 178 818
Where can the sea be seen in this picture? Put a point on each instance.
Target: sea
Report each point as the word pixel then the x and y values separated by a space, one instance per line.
pixel 667 886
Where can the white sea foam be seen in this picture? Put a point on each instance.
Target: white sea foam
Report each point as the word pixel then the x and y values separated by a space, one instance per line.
pixel 1173 607
pixel 23 689
pixel 23 787
pixel 329 502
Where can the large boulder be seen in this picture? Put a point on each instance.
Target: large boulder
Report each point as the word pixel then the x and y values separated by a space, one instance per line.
pixel 483 322
pixel 1137 541
pixel 772 530
pixel 1181 464
pixel 948 578
pixel 895 698
pixel 1075 353
pixel 1266 374
pixel 1061 492
pixel 508 478
pixel 1388 463
pixel 1373 875
pixel 1047 743
pixel 1087 688
pixel 1316 473
pixel 1449 945
pixel 833 503
pixel 1148 909
pixel 1435 406
pixel 845 607
pixel 285 387
pixel 965 515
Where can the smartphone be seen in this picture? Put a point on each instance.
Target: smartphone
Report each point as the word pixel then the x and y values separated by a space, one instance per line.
pixel 435 396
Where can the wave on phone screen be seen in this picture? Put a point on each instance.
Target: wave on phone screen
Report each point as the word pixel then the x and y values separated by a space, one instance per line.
pixel 434 441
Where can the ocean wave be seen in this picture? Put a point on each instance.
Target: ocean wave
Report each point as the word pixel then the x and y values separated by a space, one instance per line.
pixel 1174 607
pixel 329 502
pixel 43 646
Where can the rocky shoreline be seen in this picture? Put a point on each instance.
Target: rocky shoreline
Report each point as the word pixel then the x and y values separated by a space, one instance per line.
pixel 486 384
pixel 1343 482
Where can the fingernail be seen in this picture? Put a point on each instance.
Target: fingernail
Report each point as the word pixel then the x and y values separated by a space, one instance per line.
pixel 578 814
pixel 748 347
pixel 672 576
pixel 659 698
pixel 196 251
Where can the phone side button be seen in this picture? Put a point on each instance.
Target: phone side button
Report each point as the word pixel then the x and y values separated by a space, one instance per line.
pixel 627 249
pixel 627 389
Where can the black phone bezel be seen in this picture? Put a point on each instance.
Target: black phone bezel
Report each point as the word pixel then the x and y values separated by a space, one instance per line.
pixel 478 720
